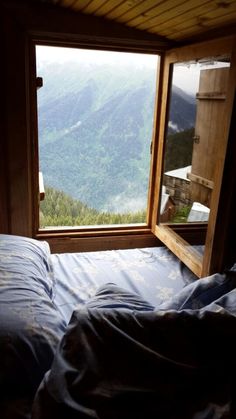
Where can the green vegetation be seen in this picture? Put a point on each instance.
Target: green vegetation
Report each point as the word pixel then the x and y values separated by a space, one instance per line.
pixel 181 215
pixel 59 209
pixel 179 149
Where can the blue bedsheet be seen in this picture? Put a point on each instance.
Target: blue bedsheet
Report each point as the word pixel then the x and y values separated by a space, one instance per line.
pixel 127 308
pixel 153 273
pixel 126 361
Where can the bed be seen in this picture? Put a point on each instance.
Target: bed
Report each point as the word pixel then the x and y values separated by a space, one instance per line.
pixel 113 334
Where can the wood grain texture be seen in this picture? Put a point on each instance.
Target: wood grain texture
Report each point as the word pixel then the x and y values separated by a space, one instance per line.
pixel 220 240
pixel 207 265
pixel 77 244
pixel 17 132
pixel 182 249
pixel 210 130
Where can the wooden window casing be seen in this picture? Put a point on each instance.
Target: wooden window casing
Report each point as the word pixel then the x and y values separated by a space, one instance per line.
pixel 172 236
pixel 176 237
pixel 90 237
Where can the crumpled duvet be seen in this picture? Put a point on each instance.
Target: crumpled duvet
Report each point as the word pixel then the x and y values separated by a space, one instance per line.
pixel 123 362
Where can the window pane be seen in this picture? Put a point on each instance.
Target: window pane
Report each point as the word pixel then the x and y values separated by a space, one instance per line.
pixel 95 122
pixel 197 104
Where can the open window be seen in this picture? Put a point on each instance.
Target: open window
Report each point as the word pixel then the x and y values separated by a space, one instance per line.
pixel 174 199
pixel 191 153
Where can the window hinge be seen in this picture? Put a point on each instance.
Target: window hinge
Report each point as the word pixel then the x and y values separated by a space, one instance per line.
pixel 39 82
pixel 151 148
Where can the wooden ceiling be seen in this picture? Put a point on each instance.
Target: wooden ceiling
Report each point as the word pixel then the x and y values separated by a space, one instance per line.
pixel 176 20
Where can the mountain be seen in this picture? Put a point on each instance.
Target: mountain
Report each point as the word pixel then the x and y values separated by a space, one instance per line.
pixel 95 130
pixel 182 111
pixel 60 209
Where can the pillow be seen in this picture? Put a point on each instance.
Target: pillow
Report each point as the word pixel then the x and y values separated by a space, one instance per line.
pixel 111 296
pixel 23 259
pixel 30 324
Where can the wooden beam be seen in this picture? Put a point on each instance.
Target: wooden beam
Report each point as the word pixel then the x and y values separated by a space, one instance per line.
pixel 200 180
pixel 16 123
pixel 182 249
pixel 4 204
pixel 210 96
pixel 91 244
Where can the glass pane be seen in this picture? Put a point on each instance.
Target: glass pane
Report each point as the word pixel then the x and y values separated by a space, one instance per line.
pixel 95 122
pixel 194 134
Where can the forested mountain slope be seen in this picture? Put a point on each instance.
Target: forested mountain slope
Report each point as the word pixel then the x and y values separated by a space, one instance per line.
pixel 95 131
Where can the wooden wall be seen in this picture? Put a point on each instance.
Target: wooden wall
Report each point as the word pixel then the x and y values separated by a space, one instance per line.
pixel 22 23
pixel 19 24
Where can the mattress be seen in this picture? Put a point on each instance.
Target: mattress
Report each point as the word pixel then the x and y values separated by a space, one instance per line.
pixel 40 293
pixel 153 273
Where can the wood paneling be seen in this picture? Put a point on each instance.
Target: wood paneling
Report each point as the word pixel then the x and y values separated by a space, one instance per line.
pixel 174 19
pixel 4 213
pixel 16 124
pixel 58 22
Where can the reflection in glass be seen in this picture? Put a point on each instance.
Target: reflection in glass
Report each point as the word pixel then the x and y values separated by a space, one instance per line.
pixel 194 133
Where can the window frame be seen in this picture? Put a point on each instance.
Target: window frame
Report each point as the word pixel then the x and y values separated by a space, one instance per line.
pixel 174 236
pixel 128 236
pixel 100 231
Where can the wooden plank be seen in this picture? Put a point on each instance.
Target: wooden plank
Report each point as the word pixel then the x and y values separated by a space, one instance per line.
pixel 224 249
pixel 17 130
pixel 108 7
pixel 80 4
pixel 187 19
pixel 146 18
pixel 94 231
pixel 172 12
pixel 200 180
pixel 214 48
pixel 124 7
pixel 200 28
pixel 91 244
pixel 211 95
pixel 4 210
pixel 147 10
pixel 158 141
pixel 154 144
pixel 188 254
pixel 193 18
pixel 93 6
pixel 4 204
pixel 208 127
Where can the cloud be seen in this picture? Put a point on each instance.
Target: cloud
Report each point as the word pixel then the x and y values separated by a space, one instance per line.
pixel 122 204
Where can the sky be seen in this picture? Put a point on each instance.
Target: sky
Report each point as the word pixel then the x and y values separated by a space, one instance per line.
pixel 60 54
pixel 186 77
